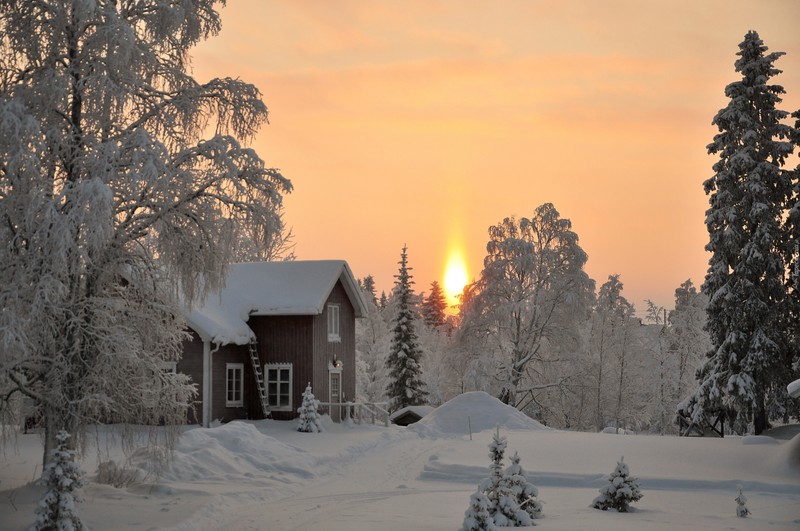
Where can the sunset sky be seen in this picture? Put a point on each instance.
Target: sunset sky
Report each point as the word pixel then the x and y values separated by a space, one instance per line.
pixel 425 122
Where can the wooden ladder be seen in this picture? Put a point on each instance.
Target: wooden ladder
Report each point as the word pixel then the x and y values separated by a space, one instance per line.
pixel 262 391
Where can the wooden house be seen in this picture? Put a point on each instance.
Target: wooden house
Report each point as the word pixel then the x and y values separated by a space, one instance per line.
pixel 273 328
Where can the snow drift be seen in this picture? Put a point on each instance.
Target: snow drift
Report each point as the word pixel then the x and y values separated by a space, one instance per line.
pixel 227 453
pixel 476 411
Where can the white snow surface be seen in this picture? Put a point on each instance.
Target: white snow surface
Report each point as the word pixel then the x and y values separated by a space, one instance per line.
pixel 265 475
pixel 298 287
pixel 794 389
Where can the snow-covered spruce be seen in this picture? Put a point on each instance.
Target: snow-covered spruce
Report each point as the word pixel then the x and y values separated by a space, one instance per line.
pixel 478 516
pixel 62 476
pixel 749 199
pixel 741 504
pixel 525 491
pixel 504 508
pixel 405 387
pixel 622 489
pixel 309 420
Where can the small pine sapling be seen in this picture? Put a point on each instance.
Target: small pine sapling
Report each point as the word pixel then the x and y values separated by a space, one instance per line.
pixel 525 491
pixel 478 516
pixel 505 509
pixel 309 421
pixel 741 504
pixel 62 477
pixel 622 489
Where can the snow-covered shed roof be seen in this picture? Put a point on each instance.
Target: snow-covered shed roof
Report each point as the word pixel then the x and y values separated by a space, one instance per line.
pixel 409 414
pixel 270 288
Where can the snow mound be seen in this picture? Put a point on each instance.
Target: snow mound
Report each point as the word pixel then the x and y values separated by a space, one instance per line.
pixel 788 457
pixel 229 452
pixel 477 411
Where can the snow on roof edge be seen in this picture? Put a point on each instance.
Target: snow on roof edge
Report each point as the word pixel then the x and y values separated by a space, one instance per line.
pixel 270 288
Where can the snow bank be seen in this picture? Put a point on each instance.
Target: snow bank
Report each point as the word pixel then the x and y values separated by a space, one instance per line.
pixel 229 452
pixel 788 456
pixel 475 410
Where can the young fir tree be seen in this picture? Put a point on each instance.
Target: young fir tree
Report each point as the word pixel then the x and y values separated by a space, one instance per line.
pixel 405 387
pixel 309 420
pixel 746 368
pixel 741 504
pixel 63 477
pixel 505 509
pixel 621 491
pixel 525 491
pixel 434 307
pixel 478 517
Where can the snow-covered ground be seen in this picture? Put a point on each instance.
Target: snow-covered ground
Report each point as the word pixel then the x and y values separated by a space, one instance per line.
pixel 265 475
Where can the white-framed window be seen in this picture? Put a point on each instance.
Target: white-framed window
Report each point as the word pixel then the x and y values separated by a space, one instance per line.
pixel 279 386
pixel 333 322
pixel 234 373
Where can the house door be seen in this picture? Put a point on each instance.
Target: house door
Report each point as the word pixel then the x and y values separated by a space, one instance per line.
pixel 335 389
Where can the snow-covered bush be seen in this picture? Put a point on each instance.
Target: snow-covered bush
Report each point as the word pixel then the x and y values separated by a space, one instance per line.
pixel 478 517
pixel 309 421
pixel 109 473
pixel 622 489
pixel 741 504
pixel 525 491
pixel 62 476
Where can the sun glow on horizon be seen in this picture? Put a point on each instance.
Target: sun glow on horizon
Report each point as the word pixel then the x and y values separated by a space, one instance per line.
pixel 455 276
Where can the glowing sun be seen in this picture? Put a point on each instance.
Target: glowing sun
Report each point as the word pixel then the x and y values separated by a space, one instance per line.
pixel 455 277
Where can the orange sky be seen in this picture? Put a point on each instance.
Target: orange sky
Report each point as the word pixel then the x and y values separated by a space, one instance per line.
pixel 425 122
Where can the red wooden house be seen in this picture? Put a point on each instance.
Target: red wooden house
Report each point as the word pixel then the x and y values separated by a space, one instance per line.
pixel 273 328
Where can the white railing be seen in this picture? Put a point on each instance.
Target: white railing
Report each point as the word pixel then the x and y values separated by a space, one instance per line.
pixel 359 412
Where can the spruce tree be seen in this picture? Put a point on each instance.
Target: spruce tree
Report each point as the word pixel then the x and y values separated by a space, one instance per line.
pixel 791 312
pixel 434 307
pixel 405 387
pixel 525 491
pixel 745 281
pixel 741 504
pixel 63 477
pixel 477 517
pixel 309 420
pixel 367 285
pixel 622 489
pixel 505 509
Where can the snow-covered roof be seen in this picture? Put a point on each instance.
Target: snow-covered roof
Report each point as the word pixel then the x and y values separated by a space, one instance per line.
pixel 270 288
pixel 419 411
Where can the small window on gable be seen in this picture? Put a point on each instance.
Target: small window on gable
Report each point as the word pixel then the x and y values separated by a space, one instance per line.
pixel 233 384
pixel 333 322
pixel 279 386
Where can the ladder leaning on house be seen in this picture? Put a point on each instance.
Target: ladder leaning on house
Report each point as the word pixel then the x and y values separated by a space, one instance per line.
pixel 262 391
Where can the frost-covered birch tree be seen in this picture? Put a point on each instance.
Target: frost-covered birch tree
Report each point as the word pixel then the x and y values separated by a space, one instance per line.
pixel 746 371
pixel 372 347
pixel 404 362
pixel 124 184
pixel 688 340
pixel 531 297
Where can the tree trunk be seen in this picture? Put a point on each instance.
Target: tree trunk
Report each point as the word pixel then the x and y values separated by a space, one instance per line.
pixel 760 420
